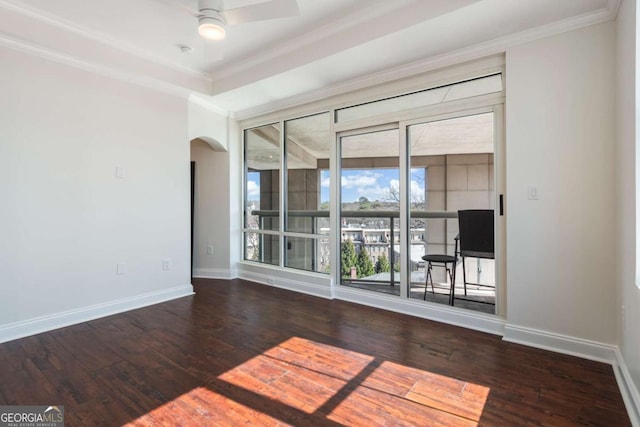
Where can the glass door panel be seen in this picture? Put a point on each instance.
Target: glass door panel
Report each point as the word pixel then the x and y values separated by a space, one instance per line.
pixel 370 255
pixel 452 168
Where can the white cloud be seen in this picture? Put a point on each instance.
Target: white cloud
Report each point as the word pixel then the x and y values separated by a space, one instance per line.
pixel 361 180
pixel 384 193
pixel 325 181
pixel 374 193
pixel 416 189
pixel 378 186
pixel 415 186
pixel 253 189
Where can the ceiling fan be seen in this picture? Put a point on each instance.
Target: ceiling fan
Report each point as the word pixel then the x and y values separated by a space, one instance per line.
pixel 215 15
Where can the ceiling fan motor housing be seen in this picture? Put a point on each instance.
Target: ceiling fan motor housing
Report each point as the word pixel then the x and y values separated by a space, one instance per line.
pixel 207 6
pixel 211 23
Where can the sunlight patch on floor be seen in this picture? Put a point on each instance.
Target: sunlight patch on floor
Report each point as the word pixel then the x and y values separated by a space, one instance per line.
pixel 299 373
pixel 203 407
pixel 415 394
pixel 301 377
pixel 307 376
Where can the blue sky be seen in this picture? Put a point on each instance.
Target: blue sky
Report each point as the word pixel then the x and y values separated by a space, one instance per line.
pixel 374 184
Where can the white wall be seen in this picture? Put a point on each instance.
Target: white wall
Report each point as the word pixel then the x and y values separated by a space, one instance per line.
pixel 207 123
pixel 560 137
pixel 212 213
pixel 66 220
pixel 626 164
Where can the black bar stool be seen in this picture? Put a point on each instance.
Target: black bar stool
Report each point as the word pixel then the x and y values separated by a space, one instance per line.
pixel 439 260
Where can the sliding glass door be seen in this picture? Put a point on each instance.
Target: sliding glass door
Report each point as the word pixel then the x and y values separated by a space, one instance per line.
pixel 401 188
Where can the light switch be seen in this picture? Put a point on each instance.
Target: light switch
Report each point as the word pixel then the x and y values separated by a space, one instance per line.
pixel 121 172
pixel 532 192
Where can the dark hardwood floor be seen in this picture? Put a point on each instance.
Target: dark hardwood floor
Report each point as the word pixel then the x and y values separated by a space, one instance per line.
pixel 241 353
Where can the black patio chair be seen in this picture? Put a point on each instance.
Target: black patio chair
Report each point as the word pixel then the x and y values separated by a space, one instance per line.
pixel 476 234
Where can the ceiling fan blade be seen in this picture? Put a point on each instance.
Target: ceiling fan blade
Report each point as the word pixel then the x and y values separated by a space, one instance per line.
pixel 182 6
pixel 235 4
pixel 261 12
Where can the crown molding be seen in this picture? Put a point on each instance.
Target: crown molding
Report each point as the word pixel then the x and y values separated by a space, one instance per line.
pixel 56 21
pixel 339 25
pixel 480 50
pixel 614 7
pixel 131 78
pixel 343 33
pixel 204 102
pixel 174 87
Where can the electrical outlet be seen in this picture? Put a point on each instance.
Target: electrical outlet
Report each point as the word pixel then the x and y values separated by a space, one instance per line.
pixel 166 264
pixel 121 268
pixel 209 249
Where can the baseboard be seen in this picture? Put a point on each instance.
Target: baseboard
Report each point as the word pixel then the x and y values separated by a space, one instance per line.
pixel 436 312
pixel 317 290
pixel 628 389
pixel 214 273
pixel 47 323
pixel 565 344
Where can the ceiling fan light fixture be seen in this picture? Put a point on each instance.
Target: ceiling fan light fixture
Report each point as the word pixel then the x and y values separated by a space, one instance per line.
pixel 212 27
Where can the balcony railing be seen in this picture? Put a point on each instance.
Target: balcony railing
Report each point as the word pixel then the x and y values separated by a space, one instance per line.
pixel 385 215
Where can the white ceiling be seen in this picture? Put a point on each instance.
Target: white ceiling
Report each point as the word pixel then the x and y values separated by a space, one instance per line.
pixel 330 42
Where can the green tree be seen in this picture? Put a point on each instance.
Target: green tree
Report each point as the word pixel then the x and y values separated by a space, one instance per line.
pixel 364 204
pixel 382 265
pixel 348 258
pixel 365 265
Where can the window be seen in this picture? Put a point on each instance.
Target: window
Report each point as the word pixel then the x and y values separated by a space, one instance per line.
pixel 403 171
pixel 307 146
pixel 262 194
pixel 437 95
pixel 303 241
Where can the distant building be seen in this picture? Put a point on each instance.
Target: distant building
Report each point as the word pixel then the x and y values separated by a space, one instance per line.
pixel 377 241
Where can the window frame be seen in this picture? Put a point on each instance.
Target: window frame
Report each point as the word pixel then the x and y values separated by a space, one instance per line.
pixel 428 80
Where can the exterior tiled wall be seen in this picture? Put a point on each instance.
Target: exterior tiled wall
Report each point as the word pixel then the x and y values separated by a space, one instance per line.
pixel 454 182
